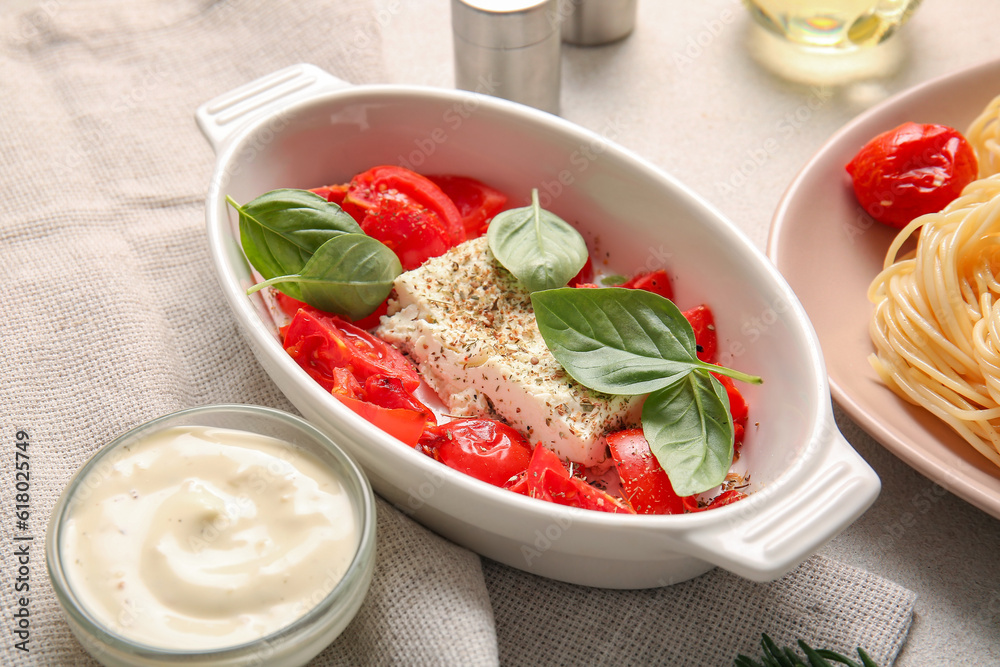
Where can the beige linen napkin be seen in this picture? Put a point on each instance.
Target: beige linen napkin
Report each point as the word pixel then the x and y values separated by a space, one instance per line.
pixel 112 316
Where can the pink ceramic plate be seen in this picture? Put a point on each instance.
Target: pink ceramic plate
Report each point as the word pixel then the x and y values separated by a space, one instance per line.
pixel 829 250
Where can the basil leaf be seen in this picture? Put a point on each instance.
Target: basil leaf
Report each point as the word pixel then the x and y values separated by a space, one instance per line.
pixel 690 432
pixel 282 229
pixel 351 275
pixel 541 249
pixel 616 340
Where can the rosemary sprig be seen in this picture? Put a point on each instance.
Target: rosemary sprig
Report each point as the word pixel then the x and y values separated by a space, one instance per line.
pixel 786 657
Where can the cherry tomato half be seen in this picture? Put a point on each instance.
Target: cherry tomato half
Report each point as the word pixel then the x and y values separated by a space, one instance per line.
pixel 486 449
pixel 368 189
pixel 548 479
pixel 320 343
pixel 476 202
pixel 911 170
pixel 644 481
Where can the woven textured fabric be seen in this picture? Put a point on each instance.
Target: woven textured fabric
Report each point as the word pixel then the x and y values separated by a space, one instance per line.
pixel 705 621
pixel 112 316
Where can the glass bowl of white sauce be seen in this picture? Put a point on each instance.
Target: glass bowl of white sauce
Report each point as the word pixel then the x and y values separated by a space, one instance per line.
pixel 217 535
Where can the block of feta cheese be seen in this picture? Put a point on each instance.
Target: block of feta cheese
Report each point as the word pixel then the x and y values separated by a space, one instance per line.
pixel 468 325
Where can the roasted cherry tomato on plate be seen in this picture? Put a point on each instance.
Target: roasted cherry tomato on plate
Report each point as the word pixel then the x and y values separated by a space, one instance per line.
pixel 486 449
pixel 657 282
pixel 320 343
pixel 911 170
pixel 548 479
pixel 369 189
pixel 476 202
pixel 705 338
pixel 643 479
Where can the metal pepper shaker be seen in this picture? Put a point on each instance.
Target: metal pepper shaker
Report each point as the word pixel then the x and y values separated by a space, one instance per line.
pixel 509 49
pixel 594 22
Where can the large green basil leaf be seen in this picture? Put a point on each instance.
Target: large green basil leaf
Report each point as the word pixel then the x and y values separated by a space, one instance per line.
pixel 690 432
pixel 541 249
pixel 282 229
pixel 616 340
pixel 351 274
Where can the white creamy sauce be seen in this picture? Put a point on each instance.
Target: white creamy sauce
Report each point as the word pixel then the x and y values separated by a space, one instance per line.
pixel 200 538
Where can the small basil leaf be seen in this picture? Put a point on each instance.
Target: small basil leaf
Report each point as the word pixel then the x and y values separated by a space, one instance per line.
pixel 690 432
pixel 616 340
pixel 280 230
pixel 613 280
pixel 350 275
pixel 541 249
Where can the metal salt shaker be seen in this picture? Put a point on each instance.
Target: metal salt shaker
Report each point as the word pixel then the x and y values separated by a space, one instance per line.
pixel 509 49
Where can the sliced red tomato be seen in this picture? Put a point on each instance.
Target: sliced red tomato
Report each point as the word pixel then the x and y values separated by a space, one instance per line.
pixel 290 306
pixel 413 233
pixel 332 193
pixel 645 483
pixel 518 484
pixel 657 282
pixel 911 170
pixel 320 343
pixel 369 189
pixel 705 338
pixel 388 392
pixel 724 498
pixel 738 408
pixel 486 449
pixel 476 202
pixel 548 479
pixel 406 425
pixel 585 277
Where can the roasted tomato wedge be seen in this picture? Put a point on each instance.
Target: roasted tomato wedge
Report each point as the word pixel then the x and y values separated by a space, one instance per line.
pixel 548 479
pixel 482 448
pixel 412 232
pixel 388 392
pixel 405 425
pixel 643 480
pixel 657 282
pixel 332 193
pixel 321 343
pixel 369 189
pixel 705 338
pixel 476 202
pixel 911 170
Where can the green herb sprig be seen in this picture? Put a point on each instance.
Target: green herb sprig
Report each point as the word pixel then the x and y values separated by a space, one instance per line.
pixel 786 657
pixel 539 248
pixel 629 342
pixel 313 251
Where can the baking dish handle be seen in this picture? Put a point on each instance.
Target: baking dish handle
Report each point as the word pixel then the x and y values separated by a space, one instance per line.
pixel 220 118
pixel 770 536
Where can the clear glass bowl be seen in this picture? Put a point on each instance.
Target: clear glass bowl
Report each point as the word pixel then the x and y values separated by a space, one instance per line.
pixel 294 644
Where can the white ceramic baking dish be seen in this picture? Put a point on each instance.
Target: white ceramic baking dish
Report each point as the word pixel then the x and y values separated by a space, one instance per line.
pixel 300 127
